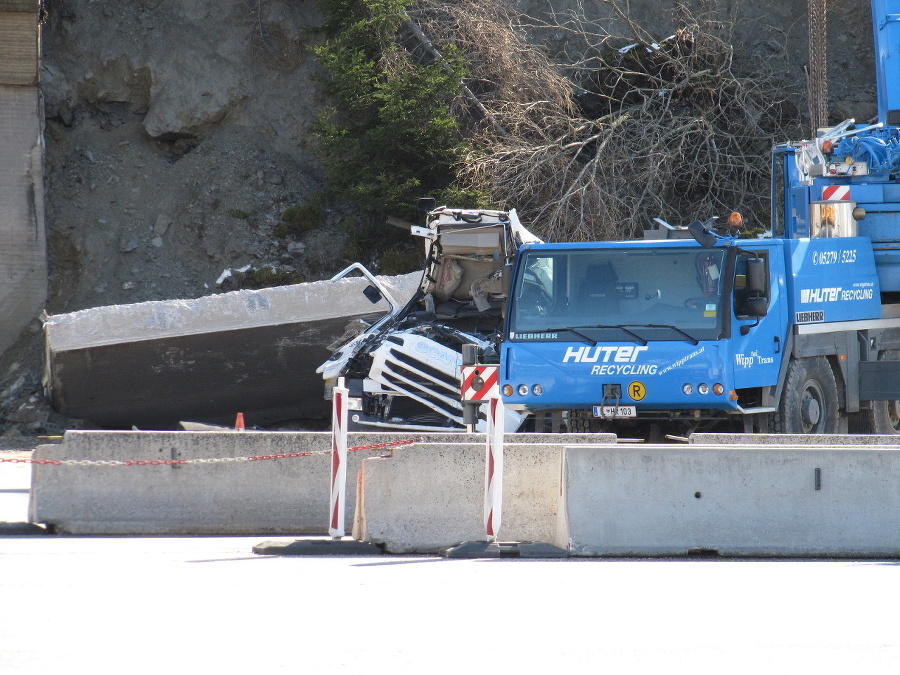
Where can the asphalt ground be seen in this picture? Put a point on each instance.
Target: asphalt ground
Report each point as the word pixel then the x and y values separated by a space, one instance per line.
pixel 209 604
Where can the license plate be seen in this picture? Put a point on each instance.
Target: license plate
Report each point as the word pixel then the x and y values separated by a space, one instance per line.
pixel 615 411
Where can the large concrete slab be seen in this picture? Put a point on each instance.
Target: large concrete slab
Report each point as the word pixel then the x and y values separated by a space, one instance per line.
pixel 428 497
pixel 837 501
pixel 153 364
pixel 284 496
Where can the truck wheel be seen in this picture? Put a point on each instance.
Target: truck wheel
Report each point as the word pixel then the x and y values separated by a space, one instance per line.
pixel 582 422
pixel 884 417
pixel 809 404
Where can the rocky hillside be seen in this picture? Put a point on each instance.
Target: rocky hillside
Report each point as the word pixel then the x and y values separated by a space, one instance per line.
pixel 177 138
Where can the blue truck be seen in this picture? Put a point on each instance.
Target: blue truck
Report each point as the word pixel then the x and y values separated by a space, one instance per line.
pixel 692 328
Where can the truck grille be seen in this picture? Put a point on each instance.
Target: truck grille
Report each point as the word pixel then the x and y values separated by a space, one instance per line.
pixel 423 370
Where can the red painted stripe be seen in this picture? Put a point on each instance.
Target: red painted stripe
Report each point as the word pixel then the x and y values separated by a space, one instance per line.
pixel 490 468
pixel 467 383
pixel 836 192
pixel 488 384
pixel 335 457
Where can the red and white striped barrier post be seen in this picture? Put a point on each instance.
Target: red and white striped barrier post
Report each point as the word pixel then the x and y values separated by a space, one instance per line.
pixel 477 385
pixel 338 459
pixel 493 478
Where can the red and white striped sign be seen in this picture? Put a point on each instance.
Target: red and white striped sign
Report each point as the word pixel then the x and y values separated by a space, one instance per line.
pixel 831 193
pixel 338 460
pixel 480 383
pixel 493 476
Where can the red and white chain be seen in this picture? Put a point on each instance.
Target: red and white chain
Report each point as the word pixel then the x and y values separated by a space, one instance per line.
pixel 218 460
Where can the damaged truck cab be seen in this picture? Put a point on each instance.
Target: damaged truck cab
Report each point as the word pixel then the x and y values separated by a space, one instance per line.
pixel 403 371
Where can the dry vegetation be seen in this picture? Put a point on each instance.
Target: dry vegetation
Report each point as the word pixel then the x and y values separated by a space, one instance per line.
pixel 593 141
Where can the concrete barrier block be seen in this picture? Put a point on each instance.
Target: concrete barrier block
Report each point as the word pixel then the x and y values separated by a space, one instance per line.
pixel 428 497
pixel 792 439
pixel 285 496
pixel 839 501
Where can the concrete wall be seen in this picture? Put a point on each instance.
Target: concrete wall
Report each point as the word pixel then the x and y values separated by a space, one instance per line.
pixel 601 499
pixel 739 500
pixel 19 42
pixel 23 259
pixel 425 498
pixel 286 496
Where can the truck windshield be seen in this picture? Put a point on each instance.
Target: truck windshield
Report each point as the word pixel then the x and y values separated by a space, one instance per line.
pixel 657 293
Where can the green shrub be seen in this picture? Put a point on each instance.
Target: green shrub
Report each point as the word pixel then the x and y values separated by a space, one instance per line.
pixel 299 219
pixel 389 138
pixel 400 262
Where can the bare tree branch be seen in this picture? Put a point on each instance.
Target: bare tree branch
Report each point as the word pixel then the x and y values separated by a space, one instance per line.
pixel 613 130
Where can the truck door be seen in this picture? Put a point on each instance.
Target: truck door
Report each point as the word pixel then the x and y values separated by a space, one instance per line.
pixel 757 339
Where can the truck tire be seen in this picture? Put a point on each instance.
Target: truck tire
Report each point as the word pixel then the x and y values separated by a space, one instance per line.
pixel 583 422
pixel 884 416
pixel 809 403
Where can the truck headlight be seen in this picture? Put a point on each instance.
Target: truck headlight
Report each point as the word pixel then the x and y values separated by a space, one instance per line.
pixel 537 390
pixel 523 390
pixel 687 389
pixel 703 388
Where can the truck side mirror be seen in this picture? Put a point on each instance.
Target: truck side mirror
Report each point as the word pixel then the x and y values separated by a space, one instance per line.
pixel 756 277
pixel 701 235
pixel 506 279
pixel 758 306
pixel 372 294
pixel 426 204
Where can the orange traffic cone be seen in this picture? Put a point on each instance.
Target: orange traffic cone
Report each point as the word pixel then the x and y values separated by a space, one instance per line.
pixel 239 422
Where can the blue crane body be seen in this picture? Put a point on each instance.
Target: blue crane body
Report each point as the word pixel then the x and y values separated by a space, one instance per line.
pixel 797 332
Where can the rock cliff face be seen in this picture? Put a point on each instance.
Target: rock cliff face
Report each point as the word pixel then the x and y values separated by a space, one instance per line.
pixel 178 134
